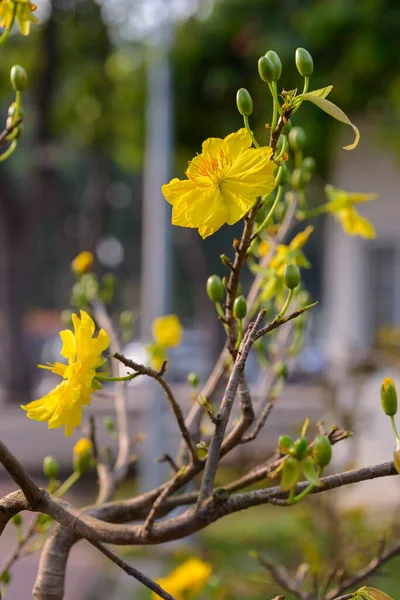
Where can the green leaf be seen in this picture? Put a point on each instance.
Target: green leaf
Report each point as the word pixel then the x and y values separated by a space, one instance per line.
pixel 334 111
pixel 322 92
pixel 309 471
pixel 290 473
pixel 374 593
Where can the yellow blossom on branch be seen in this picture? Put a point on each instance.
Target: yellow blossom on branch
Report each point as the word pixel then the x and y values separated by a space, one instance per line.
pixel 63 405
pixel 187 580
pixel 167 333
pixel 21 11
pixel 341 205
pixel 223 183
pixel 82 263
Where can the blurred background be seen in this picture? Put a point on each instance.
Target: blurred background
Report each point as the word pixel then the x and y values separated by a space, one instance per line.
pixel 121 95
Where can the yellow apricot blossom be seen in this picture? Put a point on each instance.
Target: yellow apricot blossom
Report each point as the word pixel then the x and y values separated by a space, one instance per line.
pixel 341 205
pixel 21 11
pixel 82 263
pixel 223 183
pixel 167 331
pixel 63 405
pixel 187 580
pixel 291 253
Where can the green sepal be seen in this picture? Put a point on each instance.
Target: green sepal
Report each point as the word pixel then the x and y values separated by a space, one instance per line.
pixel 290 473
pixel 309 471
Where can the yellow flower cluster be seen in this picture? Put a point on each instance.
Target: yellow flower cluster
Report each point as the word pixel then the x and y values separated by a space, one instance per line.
pixel 167 333
pixel 186 581
pixel 341 205
pixel 223 183
pixel 21 10
pixel 63 405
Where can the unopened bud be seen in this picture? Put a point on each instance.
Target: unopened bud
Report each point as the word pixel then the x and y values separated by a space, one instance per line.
pixel 309 164
pixel 50 467
pixel 193 379
pixel 297 138
pixel 322 451
pixel 291 276
pixel 17 520
pixel 109 423
pixel 244 102
pixel 215 289
pixel 18 78
pixel 304 62
pixel 300 448
pixel 276 61
pixel 6 577
pixel 240 307
pixel 267 70
pixel 389 397
pixel 82 455
pixel 300 178
pixel 285 442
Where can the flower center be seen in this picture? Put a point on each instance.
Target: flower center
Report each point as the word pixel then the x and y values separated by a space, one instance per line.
pixel 211 168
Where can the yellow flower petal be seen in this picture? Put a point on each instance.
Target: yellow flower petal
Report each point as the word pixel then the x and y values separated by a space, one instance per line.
pixel 68 349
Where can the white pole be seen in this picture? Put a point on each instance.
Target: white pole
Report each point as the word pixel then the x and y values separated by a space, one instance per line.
pixel 156 228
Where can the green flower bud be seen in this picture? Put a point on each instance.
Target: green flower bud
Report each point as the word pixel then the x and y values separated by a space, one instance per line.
pixel 6 577
pixel 290 473
pixel 267 70
pixel 300 448
pixel 18 78
pixel 283 175
pixel 66 317
pixel 50 467
pixel 126 319
pixel 322 451
pixel 17 520
pixel 396 458
pixel 215 289
pixel 285 443
pixel 244 102
pixel 300 178
pixel 291 276
pixel 304 62
pixel 193 379
pixel 109 423
pixel 240 307
pixel 286 129
pixel 297 138
pixel 309 164
pixel 276 61
pixel 389 397
pixel 12 110
pixel 281 370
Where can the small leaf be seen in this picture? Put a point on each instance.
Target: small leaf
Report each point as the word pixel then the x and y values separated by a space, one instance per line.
pixel 334 111
pixel 290 473
pixel 309 471
pixel 375 594
pixel 322 92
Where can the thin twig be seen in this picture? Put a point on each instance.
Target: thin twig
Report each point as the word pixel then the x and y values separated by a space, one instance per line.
pixel 32 492
pixel 176 409
pixel 281 576
pixel 138 575
pixel 168 459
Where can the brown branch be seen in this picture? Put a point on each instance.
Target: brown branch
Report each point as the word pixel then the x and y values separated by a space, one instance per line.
pixel 176 409
pixel 32 492
pixel 168 459
pixel 138 575
pixel 107 484
pixel 281 576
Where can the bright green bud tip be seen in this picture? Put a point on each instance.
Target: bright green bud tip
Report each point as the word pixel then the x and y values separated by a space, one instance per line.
pixel 244 102
pixel 18 78
pixel 6 577
pixel 297 138
pixel 291 276
pixel 215 289
pixel 50 467
pixel 109 423
pixel 300 178
pixel 300 448
pixel 285 442
pixel 309 164
pixel 240 307
pixel 267 70
pixel 276 61
pixel 193 379
pixel 281 370
pixel 322 451
pixel 389 397
pixel 304 62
